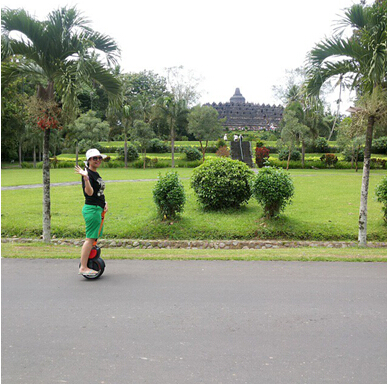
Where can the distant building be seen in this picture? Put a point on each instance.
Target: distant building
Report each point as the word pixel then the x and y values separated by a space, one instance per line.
pixel 240 114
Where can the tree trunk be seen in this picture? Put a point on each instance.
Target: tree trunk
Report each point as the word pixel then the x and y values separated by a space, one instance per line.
pixel 125 150
pixel 46 188
pixel 172 145
pixel 289 158
pixel 358 151
pixel 203 151
pixel 20 154
pixel 46 94
pixel 303 152
pixel 362 219
pixel 76 153
pixel 34 156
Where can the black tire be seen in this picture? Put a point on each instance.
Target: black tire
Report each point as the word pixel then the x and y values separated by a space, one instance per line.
pixel 98 265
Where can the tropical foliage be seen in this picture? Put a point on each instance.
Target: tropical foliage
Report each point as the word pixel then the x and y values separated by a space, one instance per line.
pixel 361 60
pixel 58 54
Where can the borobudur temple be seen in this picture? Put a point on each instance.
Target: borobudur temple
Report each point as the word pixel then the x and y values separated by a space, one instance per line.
pixel 240 115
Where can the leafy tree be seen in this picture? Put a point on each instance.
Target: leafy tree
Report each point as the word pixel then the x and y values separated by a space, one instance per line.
pixel 59 54
pixel 351 139
pixel 306 129
pixel 143 134
pixel 183 85
pixel 293 131
pixel 361 58
pixel 13 120
pixel 204 125
pixel 140 92
pixel 173 111
pixel 87 131
pixel 143 83
pixel 128 115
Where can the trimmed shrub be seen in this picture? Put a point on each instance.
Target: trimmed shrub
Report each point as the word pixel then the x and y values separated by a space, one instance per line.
pixel 295 155
pixel 132 153
pixel 273 189
pixel 140 163
pixel 169 195
pixel 321 145
pixel 329 159
pixel 192 154
pixel 157 146
pixel 222 183
pixel 220 143
pixel 378 163
pixel 381 193
pixel 262 155
pixel 223 152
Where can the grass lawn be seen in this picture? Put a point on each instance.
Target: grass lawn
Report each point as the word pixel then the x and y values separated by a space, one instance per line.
pixel 40 250
pixel 325 206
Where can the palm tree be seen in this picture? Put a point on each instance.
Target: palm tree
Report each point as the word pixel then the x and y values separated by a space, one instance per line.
pixel 59 54
pixel 362 58
pixel 173 110
pixel 128 114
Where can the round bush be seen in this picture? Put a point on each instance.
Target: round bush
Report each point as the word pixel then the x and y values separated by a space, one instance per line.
pixel 381 193
pixel 295 155
pixel 321 145
pixel 169 195
pixel 132 153
pixel 273 189
pixel 222 183
pixel 192 153
pixel 157 146
pixel 348 155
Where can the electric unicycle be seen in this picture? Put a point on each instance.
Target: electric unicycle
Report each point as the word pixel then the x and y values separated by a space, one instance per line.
pixel 95 262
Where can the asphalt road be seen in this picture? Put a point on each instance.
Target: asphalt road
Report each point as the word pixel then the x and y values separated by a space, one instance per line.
pixel 165 322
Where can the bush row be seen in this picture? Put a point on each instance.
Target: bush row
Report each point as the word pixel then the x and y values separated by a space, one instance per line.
pixel 224 183
pixel 376 163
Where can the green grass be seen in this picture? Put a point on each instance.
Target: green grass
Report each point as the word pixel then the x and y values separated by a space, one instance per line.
pixel 325 206
pixel 43 251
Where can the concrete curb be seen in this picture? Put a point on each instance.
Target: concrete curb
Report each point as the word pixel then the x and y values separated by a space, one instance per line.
pixel 200 244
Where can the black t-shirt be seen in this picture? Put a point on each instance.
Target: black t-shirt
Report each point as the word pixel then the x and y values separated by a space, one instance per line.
pixel 98 185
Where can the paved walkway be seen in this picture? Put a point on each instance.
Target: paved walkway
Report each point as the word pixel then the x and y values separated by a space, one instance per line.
pixel 31 186
pixel 195 322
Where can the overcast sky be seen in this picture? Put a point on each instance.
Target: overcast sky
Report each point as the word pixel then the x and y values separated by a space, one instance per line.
pixel 228 44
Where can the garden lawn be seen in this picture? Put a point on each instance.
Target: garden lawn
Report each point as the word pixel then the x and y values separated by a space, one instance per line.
pixel 325 207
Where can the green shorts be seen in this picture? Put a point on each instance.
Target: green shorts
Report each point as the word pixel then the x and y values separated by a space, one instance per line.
pixel 92 216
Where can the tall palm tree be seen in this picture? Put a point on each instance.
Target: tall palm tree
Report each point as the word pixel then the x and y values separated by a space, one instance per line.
pixel 59 54
pixel 362 58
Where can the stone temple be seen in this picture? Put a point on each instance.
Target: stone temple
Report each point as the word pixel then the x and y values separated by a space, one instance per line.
pixel 240 114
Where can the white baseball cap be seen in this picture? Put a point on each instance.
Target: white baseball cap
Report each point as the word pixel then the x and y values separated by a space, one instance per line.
pixel 94 152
